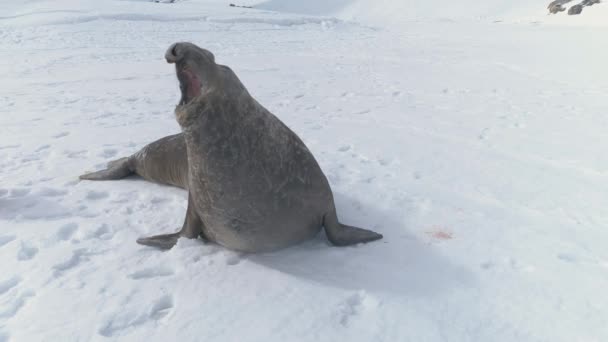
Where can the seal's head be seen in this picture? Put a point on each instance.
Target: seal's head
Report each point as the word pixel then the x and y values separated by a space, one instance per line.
pixel 195 69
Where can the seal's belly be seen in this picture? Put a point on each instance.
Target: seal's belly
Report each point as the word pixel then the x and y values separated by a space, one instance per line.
pixel 272 233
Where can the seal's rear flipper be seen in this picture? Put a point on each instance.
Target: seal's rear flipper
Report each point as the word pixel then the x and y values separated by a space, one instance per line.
pixel 165 241
pixel 117 169
pixel 342 235
pixel 347 235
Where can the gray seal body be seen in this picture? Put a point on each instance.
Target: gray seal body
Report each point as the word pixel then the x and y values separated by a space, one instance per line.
pixel 253 185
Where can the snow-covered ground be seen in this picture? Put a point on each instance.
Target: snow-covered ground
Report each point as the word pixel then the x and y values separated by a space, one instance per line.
pixel 475 144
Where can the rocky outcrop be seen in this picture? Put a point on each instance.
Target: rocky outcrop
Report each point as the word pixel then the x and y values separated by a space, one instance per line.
pixel 557 6
pixel 553 9
pixel 590 2
pixel 576 9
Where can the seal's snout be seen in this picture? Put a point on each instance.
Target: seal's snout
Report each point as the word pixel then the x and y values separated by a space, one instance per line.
pixel 172 54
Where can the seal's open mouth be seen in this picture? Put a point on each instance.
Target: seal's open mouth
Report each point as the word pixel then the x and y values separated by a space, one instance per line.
pixel 189 84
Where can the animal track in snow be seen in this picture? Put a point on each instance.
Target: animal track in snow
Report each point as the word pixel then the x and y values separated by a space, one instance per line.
pixel 61 135
pixel 362 112
pixel 75 154
pixel 147 273
pixel 50 192
pixel 567 257
pixel 42 148
pixel 233 258
pixel 9 284
pixel 4 239
pixel 125 320
pixel 95 195
pixel 355 305
pixel 486 265
pixel 102 232
pixel 77 257
pixel 8 310
pixel 66 231
pixel 19 192
pixel 6 147
pixel 350 308
pixel 21 203
pixel 161 308
pixel 108 153
pixel 26 252
pixel 158 200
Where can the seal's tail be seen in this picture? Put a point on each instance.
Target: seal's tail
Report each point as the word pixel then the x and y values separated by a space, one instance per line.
pixel 342 235
pixel 117 169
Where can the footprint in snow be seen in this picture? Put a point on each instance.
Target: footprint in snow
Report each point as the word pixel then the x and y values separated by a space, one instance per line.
pixel 61 135
pixel 80 154
pixel 19 192
pixel 22 204
pixel 108 153
pixel 26 252
pixel 78 256
pixel 8 284
pixel 96 195
pixel 161 308
pixel 66 231
pixel 10 309
pixel 4 239
pixel 148 273
pixel 7 147
pixel 233 258
pixel 42 148
pixel 126 320
pixel 384 162
pixel 355 305
pixel 50 192
pixel 567 257
pixel 486 265
pixel 103 232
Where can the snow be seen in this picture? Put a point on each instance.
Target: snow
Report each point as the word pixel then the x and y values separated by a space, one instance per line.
pixel 473 140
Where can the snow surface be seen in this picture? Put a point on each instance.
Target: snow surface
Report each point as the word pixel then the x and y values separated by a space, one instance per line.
pixel 476 145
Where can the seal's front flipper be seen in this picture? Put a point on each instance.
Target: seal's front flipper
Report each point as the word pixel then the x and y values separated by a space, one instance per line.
pixel 342 235
pixel 165 241
pixel 192 229
pixel 117 169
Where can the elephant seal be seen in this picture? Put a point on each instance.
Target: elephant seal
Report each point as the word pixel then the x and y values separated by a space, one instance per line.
pixel 253 186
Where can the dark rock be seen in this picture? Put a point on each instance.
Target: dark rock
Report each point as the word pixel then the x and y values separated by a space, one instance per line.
pixel 590 2
pixel 558 2
pixel 576 9
pixel 556 6
pixel 553 9
pixel 239 6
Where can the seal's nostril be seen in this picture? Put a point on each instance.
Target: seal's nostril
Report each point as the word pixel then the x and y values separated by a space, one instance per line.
pixel 171 54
